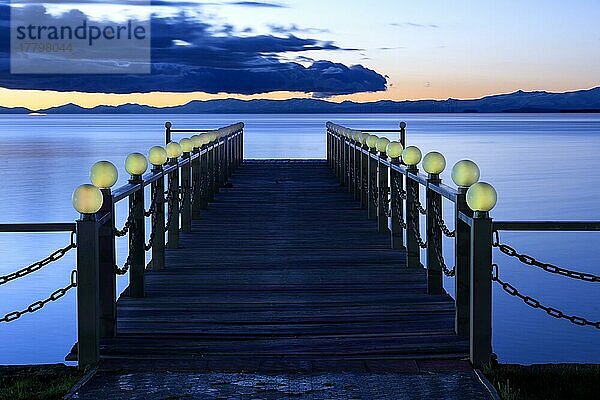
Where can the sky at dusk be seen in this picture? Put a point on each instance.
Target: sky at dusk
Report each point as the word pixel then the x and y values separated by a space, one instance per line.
pixel 338 50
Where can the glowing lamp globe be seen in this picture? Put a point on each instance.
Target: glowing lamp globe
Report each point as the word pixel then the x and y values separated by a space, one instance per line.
pixel 363 138
pixel 87 199
pixel 372 141
pixel 394 149
pixel 174 150
pixel 382 144
pixel 103 174
pixel 411 155
pixel 481 196
pixel 197 141
pixel 434 163
pixel 136 164
pixel 465 173
pixel 186 145
pixel 157 155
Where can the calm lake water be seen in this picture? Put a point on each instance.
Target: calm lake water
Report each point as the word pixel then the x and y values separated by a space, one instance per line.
pixel 543 167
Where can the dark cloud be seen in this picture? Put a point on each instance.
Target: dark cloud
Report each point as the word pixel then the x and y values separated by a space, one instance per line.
pixel 190 55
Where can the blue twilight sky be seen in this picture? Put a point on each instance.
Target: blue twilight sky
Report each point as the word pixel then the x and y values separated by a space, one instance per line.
pixel 357 50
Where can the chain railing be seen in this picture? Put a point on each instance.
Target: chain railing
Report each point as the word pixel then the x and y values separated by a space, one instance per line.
pixel 55 256
pixel 38 305
pixel 531 261
pixel 207 167
pixel 531 302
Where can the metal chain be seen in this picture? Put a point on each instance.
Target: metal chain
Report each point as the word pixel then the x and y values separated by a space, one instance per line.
pixel 128 223
pixel 154 204
pixel 155 222
pixel 55 256
pixel 38 305
pixel 374 191
pixel 531 302
pixel 440 222
pixel 422 244
pixel 553 269
pixel 418 204
pixel 440 257
pixel 401 192
pixel 123 270
pixel 384 193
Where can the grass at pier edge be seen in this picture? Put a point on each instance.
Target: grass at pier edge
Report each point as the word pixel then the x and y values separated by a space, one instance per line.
pixel 545 381
pixel 37 382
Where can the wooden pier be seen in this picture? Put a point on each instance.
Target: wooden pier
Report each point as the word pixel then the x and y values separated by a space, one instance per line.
pixel 289 265
pixel 285 271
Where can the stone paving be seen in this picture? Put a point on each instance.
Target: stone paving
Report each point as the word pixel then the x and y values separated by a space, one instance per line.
pixel 166 385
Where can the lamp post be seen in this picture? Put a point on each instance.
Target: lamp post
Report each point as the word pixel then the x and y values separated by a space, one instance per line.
pixel 434 164
pixel 394 151
pixel 173 153
pixel 136 164
pixel 411 156
pixel 104 175
pixel 481 198
pixel 464 174
pixel 87 200
pixel 157 156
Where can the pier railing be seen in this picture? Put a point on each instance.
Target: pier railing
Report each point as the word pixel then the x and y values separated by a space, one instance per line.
pixel 194 169
pixel 383 176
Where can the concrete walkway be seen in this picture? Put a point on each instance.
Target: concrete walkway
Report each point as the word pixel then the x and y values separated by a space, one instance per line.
pixel 463 385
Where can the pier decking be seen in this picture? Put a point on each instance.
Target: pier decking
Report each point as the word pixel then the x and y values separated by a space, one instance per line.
pixel 283 271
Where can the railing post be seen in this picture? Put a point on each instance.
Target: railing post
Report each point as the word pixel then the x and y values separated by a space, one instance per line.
pixel 434 238
pixel 216 165
pixel 328 146
pixel 107 261
pixel 158 220
pixel 137 240
pixel 413 251
pixel 357 172
pixel 210 186
pixel 338 155
pixel 204 178
pixel 186 202
pixel 382 194
pixel 173 209
pixel 349 165
pixel 462 258
pixel 403 133
pixel 481 290
pixel 372 194
pixel 88 296
pixel 196 185
pixel 364 167
pixel 168 126
pixel 242 145
pixel 396 207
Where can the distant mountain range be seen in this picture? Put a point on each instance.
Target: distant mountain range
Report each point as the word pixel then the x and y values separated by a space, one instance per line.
pixel 520 102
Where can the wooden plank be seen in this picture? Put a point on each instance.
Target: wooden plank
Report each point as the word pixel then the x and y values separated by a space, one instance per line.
pixel 283 269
